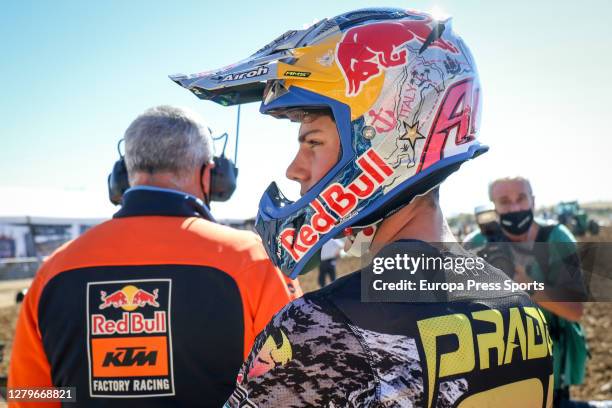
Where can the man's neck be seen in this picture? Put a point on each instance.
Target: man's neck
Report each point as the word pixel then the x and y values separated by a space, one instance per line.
pixel 421 219
pixel 163 180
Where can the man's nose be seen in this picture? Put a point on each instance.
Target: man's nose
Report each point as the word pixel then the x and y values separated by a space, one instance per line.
pixel 297 171
pixel 513 207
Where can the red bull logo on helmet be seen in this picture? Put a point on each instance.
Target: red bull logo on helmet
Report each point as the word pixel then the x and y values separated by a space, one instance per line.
pixel 366 51
pixel 341 200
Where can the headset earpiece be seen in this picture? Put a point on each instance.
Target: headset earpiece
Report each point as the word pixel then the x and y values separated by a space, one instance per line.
pixel 118 181
pixel 222 179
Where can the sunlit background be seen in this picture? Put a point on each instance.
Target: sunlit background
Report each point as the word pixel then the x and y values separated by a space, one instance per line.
pixel 75 74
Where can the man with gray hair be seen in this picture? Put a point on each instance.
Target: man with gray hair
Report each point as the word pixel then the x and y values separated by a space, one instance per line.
pixel 169 147
pixel 160 305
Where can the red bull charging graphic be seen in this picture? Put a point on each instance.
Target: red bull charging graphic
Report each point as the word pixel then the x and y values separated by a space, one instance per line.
pixel 119 298
pixel 366 51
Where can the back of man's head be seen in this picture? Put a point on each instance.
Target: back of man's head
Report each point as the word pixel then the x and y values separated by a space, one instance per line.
pixel 168 140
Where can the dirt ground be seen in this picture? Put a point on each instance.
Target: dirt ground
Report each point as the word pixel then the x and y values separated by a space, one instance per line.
pixel 597 321
pixel 8 320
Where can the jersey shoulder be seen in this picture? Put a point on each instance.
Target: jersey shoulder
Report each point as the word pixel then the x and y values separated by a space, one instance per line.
pixel 308 355
pixel 231 239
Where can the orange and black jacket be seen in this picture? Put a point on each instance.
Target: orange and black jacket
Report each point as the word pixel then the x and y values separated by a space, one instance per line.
pixel 157 307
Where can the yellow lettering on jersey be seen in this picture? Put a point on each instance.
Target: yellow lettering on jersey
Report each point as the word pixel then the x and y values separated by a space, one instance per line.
pixel 547 333
pixel 524 393
pixel 460 361
pixel 533 342
pixel 549 395
pixel 535 350
pixel 515 329
pixel 493 340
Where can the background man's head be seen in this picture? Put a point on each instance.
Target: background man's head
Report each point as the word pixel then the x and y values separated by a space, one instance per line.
pixel 168 147
pixel 511 194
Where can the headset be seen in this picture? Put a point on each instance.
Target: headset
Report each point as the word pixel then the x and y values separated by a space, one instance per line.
pixel 222 177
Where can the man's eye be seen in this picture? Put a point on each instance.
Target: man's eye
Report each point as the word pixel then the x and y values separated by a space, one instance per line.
pixel 313 143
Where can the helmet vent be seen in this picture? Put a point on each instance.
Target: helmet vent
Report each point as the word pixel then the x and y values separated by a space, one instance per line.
pixel 361 16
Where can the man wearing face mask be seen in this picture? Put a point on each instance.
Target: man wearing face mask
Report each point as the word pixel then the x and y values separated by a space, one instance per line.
pixel 160 305
pixel 514 204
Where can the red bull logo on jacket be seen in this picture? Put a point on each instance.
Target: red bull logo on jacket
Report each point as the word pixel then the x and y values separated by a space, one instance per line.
pixel 129 298
pixel 130 323
pixel 341 200
pixel 129 339
pixel 366 51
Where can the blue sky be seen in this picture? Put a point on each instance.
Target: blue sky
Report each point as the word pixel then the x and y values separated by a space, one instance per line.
pixel 74 74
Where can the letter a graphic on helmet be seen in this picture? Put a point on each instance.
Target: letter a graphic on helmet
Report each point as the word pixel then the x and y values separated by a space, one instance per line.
pixel 405 96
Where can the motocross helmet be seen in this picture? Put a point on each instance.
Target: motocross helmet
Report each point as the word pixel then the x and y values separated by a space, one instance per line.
pixel 405 96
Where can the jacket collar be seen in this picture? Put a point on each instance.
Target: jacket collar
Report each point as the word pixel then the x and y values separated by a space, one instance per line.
pixel 147 200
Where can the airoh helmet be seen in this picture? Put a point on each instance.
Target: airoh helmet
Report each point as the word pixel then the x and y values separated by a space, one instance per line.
pixel 405 96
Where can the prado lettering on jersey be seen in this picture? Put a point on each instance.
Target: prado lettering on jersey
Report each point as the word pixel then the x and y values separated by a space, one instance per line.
pixel 521 335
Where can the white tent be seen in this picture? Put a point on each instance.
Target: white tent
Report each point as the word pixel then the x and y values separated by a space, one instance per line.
pixel 25 210
pixel 54 203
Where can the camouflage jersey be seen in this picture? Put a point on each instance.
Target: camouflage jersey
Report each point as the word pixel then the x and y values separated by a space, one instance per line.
pixel 328 349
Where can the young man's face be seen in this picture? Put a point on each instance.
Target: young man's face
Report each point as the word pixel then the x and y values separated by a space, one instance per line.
pixel 511 196
pixel 319 151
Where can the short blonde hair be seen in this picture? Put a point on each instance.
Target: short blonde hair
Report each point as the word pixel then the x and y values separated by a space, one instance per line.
pixel 504 179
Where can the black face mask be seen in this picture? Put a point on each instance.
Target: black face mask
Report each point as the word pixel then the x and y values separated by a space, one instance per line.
pixel 517 222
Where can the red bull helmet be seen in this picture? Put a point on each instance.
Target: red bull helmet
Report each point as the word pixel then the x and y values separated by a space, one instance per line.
pixel 405 96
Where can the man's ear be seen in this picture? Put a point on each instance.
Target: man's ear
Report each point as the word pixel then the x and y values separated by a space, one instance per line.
pixel 206 178
pixel 495 207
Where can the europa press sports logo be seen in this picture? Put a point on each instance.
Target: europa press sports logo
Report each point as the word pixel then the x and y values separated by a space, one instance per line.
pixel 129 338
